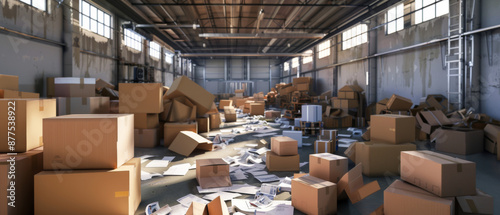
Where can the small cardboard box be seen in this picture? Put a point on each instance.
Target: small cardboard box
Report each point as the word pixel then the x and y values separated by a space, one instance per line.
pixel 321 146
pixel 272 114
pixel 381 106
pixel 404 198
pixel 328 134
pixel 481 203
pixel 257 109
pixel 101 84
pixel 349 92
pixel 203 124
pixel 23 117
pixel 116 191
pixel 491 136
pixel 462 141
pixel 88 141
pixel 303 87
pixel 276 163
pixel 216 206
pixel 215 120
pixel 82 105
pixel 399 103
pixel 224 103
pixel 381 159
pixel 314 196
pixel 12 94
pixel 172 129
pixel 9 82
pixel 352 185
pixel 431 120
pixel 74 87
pixel 212 173
pixel 439 102
pixel 438 173
pixel 141 98
pixel 240 102
pixel 146 120
pixel 183 86
pixel 345 103
pixel 296 135
pixel 187 141
pixel 146 138
pixel 230 114
pixel 394 129
pixel 337 122
pixel 327 166
pixel 283 146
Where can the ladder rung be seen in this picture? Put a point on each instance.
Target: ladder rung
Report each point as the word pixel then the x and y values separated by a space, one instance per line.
pixel 453 92
pixel 453 61
pixel 453 75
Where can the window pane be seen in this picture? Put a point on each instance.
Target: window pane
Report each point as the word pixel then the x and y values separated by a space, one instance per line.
pixel 85 22
pixel 391 27
pixel 348 34
pixel 354 31
pixel 93 25
pixel 429 12
pixel 100 28
pixel 93 12
pixel 418 4
pixel 400 10
pixel 106 31
pixel 418 16
pixel 40 4
pixel 442 8
pixel 358 30
pixel 100 16
pixel 364 38
pixel 107 20
pixel 364 28
pixel 27 1
pixel 428 2
pixel 85 8
pixel 391 14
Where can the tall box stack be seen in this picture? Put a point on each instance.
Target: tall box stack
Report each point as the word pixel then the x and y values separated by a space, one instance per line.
pixel 283 156
pixel 349 97
pixel 326 141
pixel 88 166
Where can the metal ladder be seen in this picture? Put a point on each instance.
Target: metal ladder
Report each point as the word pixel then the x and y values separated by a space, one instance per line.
pixel 454 60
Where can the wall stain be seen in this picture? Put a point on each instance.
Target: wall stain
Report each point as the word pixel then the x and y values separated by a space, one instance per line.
pixel 9 12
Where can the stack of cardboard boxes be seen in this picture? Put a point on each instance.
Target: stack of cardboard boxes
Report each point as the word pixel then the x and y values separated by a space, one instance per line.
pixel 348 105
pixel 284 155
pixel 326 141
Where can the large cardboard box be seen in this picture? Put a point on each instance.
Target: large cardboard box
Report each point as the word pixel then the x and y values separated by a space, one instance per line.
pixel 438 173
pixel 431 120
pixel 12 94
pixel 114 106
pixel 463 141
pixel 215 120
pixel 303 87
pixel 187 141
pixel 203 124
pixel 481 203
pixel 257 109
pixel 321 146
pixel 82 105
pixel 314 196
pixel 146 120
pixel 296 135
pixel 141 98
pixel 301 80
pixel 182 110
pixel 224 103
pixel 212 173
pixel 276 163
pixel 272 114
pixel 172 129
pixel 21 123
pixel 16 193
pixel 146 138
pixel 183 86
pixel 283 146
pixel 399 103
pixel 74 87
pixel 439 102
pixel 230 114
pixel 394 129
pixel 9 82
pixel 404 198
pixel 381 159
pixel 88 141
pixel 491 135
pixel 116 191
pixel 327 166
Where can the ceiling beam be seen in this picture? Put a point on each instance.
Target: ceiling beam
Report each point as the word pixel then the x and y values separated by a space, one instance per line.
pixel 187 55
pixel 246 4
pixel 261 36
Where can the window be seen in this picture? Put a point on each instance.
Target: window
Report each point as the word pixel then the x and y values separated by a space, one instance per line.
pixel 286 66
pixel 40 4
pixel 295 62
pixel 426 10
pixel 355 36
pixel 324 49
pixel 154 49
pixel 133 39
pixel 169 58
pixel 308 59
pixel 395 19
pixel 95 20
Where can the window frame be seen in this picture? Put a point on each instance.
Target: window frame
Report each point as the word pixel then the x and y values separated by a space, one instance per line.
pixel 131 39
pixel 32 5
pixel 420 11
pixel 308 59
pixel 324 49
pixel 102 19
pixel 153 50
pixel 352 35
pixel 398 19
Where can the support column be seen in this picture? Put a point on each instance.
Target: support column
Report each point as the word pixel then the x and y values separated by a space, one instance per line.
pixel 472 57
pixel 371 88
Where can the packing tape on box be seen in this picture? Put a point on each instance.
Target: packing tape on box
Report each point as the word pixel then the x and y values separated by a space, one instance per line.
pixel 434 116
pixel 40 105
pixel 459 165
pixel 84 101
pixel 472 206
pixel 120 194
pixel 68 105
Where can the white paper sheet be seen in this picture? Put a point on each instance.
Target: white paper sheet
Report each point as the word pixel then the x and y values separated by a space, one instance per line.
pixel 259 173
pixel 238 176
pixel 242 205
pixel 178 210
pixel 277 210
pixel 188 199
pixel 179 169
pixel 157 164
pixel 225 196
pixel 192 166
pixel 147 175
pixel 303 164
pixel 267 178
pixel 251 145
pixel 266 134
pixel 168 158
pixel 164 211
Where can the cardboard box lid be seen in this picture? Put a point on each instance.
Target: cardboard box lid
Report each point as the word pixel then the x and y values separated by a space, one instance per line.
pixel 70 80
pixel 491 132
pixel 210 162
pixel 397 102
pixel 183 86
pixel 282 139
pixel 481 203
pixel 229 110
pixel 403 188
pixel 351 88
pixel 9 82
pixel 328 156
pixel 100 84
pixel 186 142
pixel 433 118
pixel 313 182
pixel 438 158
pixel 352 184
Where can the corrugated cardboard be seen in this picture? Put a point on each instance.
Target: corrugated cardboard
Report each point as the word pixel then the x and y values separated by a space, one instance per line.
pixel 381 106
pixel 271 114
pixel 439 102
pixel 328 134
pixel 115 191
pixel 394 129
pixel 438 173
pixel 283 146
pixel 101 84
pixel 257 109
pixel 431 120
pixel 172 129
pixel 74 87
pixel 111 93
pixel 366 135
pixel 50 87
pixel 345 103
pixel 230 114
pixel 224 103
pixel 314 196
pixel 301 80
pixel 463 141
pixel 12 94
pixel 327 166
pixel 19 194
pixel 88 141
pixel 167 106
pixel 352 184
pixel 9 82
pixel 141 98
pixel 240 102
pixel 303 87
pixel 197 209
pixel 321 146
pixel 203 124
pixel 181 111
pixel 82 105
pixel 491 135
pixel 28 127
pixel 350 152
pixel 404 198
pixel 212 173
pixel 337 122
pixel 187 141
pixel 481 203
pixel 217 206
pixel 215 120
pixel 146 138
pixel 351 88
pixel 146 120
pixel 381 159
pixel 276 163
pixel 399 103
pixel 183 86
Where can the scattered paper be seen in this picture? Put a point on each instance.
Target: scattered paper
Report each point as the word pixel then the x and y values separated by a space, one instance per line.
pixel 238 176
pixel 266 134
pixel 158 164
pixel 146 156
pixel 179 169
pixel 193 166
pixel 267 178
pixel 151 208
pixel 178 210
pixel 242 205
pixel 303 164
pixel 247 189
pixel 277 210
pixel 164 211
pixel 251 145
pixel 305 137
pixel 229 159
pixel 259 173
pixel 344 135
pixel 261 202
pixel 147 175
pixel 225 196
pixel 188 199
pixel 168 158
pixel 236 188
pixel 286 184
pixel 262 150
pixel 307 144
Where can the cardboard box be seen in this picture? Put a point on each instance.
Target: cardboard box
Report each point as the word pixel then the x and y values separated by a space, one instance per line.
pixel 27 115
pixel 116 191
pixel 438 173
pixel 239 91
pixel 327 166
pixel 350 152
pixel 345 103
pixel 12 94
pixel 328 134
pixel 216 206
pixel 381 106
pixel 431 120
pixel 439 102
pixel 271 114
pixel 146 138
pixel 187 141
pixel 348 95
pixel 491 135
pixel 182 110
pixel 197 209
pixel 337 122
pixel 366 135
pixel 167 106
pixel 101 84
pixel 82 105
pixel 9 82
pixel 283 146
pixel 224 103
pixel 404 198
pixel 314 196
pixel 399 103
pixel 381 159
pixel 203 124
pixel 321 146
pixel 215 120
pixel 183 86
pixel 301 80
pixel 88 141
pixel 212 173
pixel 257 109
pixel 230 114
pixel 172 129
pixel 146 120
pixel 20 193
pixel 394 129
pixel 240 102
pixel 481 203
pixel 114 106
pixel 141 98
pixel 74 87
pixel 276 163
pixel 303 87
pixel 352 185
pixel 296 135
pixel 462 141
pixel 111 93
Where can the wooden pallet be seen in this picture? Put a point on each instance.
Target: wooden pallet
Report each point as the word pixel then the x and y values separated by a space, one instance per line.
pixel 310 128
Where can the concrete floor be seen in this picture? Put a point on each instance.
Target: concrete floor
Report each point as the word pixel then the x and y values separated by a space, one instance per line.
pixel 166 190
